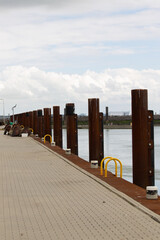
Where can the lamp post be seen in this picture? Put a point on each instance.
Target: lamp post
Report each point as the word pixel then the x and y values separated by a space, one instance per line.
pixel 3 110
pixel 13 111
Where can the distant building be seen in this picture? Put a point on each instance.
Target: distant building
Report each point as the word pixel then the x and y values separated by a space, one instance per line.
pixel 119 113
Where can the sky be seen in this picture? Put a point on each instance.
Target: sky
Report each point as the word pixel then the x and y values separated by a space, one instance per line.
pixel 55 52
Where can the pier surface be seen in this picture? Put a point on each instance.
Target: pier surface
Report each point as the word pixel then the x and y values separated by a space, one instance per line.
pixel 45 196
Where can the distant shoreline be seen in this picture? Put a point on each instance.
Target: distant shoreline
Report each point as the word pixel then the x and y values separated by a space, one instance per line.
pixel 109 126
pixel 105 127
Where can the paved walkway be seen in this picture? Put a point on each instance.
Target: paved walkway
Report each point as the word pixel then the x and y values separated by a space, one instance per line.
pixel 43 196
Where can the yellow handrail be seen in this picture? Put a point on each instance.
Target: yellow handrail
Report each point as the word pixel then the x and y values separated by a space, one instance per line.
pixel 115 166
pixel 47 135
pixel 31 129
pixel 114 159
pixel 101 170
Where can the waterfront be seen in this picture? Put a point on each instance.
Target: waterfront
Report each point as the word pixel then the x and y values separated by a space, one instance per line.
pixel 118 143
pixel 43 196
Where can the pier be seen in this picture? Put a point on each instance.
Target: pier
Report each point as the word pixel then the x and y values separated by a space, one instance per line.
pixel 45 195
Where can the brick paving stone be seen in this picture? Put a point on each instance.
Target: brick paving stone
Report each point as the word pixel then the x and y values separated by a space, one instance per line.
pixel 42 196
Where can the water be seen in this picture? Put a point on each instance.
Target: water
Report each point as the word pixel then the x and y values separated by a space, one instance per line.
pixel 118 144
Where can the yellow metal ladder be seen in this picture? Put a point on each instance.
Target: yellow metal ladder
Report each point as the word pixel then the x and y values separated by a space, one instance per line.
pixel 115 161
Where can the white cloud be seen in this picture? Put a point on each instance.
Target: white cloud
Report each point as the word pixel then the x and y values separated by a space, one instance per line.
pixel 32 88
pixel 73 36
pixel 44 37
pixel 22 32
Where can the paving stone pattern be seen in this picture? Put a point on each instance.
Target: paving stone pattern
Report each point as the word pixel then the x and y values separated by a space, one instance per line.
pixel 44 197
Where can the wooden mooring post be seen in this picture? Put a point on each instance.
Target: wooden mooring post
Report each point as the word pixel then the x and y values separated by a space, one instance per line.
pixel 40 123
pixel 31 120
pixel 35 122
pixel 16 118
pixel 23 119
pixel 106 114
pixel 72 129
pixel 101 148
pixel 11 118
pixel 142 139
pixel 20 118
pixel 27 119
pixel 47 122
pixel 57 126
pixel 95 131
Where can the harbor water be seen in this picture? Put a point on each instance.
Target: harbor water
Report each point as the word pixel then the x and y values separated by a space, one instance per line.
pixel 118 144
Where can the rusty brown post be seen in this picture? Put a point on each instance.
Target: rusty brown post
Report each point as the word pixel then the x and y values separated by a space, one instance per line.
pixel 11 118
pixel 24 119
pixel 27 120
pixel 35 122
pixel 20 118
pixel 143 173
pixel 101 150
pixel 106 113
pixel 72 132
pixel 95 130
pixel 47 122
pixel 31 119
pixel 16 118
pixel 57 126
pixel 40 123
pixel 151 148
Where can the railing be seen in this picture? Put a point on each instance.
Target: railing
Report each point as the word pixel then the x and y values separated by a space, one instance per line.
pixel 47 135
pixel 31 129
pixel 101 170
pixel 115 161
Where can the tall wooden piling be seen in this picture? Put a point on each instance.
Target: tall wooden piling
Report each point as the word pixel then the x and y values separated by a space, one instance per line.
pixel 151 148
pixel 47 122
pixel 95 131
pixel 23 119
pixel 35 122
pixel 16 118
pixel 106 113
pixel 72 128
pixel 11 118
pixel 101 148
pixel 142 146
pixel 40 123
pixel 27 119
pixel 20 118
pixel 57 126
pixel 31 120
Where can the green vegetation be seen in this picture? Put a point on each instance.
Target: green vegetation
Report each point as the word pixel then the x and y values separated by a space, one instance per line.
pixel 157 121
pixel 119 122
pixel 114 122
pixel 82 122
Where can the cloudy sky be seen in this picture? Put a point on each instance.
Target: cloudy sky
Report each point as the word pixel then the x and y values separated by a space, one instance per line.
pixel 53 52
